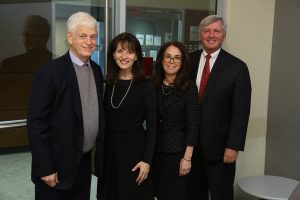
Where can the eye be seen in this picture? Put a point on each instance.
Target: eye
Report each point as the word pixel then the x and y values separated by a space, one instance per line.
pixel 82 36
pixel 177 58
pixel 93 37
pixel 168 56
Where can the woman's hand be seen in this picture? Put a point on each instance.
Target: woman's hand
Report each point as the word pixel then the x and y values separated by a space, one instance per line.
pixel 143 173
pixel 185 167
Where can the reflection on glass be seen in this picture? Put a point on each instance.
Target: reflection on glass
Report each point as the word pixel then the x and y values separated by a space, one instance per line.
pixel 32 33
pixel 35 37
pixel 16 71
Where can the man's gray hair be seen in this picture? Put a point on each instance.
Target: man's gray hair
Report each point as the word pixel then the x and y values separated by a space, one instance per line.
pixel 209 20
pixel 81 19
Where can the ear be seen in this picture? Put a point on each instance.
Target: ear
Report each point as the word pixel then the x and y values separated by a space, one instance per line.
pixel 224 38
pixel 69 37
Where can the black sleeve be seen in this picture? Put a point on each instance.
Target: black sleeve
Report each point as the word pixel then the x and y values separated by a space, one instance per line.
pixel 38 122
pixel 151 115
pixel 192 116
pixel 240 110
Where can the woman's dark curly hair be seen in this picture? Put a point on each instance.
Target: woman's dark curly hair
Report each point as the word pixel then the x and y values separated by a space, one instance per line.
pixel 127 41
pixel 182 77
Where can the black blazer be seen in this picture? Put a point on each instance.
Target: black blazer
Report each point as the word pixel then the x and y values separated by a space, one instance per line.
pixel 178 120
pixel 225 105
pixel 55 124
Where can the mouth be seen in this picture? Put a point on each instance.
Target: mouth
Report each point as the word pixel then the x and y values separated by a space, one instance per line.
pixel 211 41
pixel 172 67
pixel 124 62
pixel 88 48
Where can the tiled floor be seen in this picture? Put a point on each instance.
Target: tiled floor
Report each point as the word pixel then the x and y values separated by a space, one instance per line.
pixel 15 180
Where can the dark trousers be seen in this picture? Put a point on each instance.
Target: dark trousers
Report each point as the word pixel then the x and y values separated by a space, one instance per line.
pixel 168 185
pixel 79 191
pixel 212 178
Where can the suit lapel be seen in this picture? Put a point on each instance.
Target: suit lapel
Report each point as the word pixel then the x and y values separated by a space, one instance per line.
pixel 214 75
pixel 195 59
pixel 73 85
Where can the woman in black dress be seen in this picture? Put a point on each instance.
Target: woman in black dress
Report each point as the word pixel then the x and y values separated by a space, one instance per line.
pixel 129 101
pixel 178 122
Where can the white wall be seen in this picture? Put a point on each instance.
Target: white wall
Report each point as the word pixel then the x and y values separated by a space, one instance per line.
pixel 249 37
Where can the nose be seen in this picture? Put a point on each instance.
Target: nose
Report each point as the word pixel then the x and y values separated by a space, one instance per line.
pixel 88 40
pixel 124 54
pixel 172 60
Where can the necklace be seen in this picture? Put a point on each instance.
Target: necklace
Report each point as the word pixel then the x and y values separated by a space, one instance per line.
pixel 165 90
pixel 112 95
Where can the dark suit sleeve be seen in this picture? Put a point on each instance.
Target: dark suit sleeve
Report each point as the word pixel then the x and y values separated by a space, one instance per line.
pixel 38 123
pixel 151 120
pixel 240 110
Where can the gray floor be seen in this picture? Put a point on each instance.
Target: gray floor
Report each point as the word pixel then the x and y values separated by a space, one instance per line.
pixel 15 183
pixel 15 180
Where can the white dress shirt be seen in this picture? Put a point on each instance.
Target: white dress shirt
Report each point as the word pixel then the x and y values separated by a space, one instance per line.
pixel 202 62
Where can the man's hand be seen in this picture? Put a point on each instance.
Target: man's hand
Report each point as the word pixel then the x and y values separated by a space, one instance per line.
pixel 230 155
pixel 51 180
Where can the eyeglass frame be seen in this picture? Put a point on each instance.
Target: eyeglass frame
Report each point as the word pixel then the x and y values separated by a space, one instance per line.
pixel 176 58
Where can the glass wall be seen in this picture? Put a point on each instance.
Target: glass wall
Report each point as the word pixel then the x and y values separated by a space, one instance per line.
pixel 157 21
pixel 34 32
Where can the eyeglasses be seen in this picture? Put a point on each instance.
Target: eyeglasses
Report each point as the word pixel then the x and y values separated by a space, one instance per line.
pixel 91 37
pixel 176 59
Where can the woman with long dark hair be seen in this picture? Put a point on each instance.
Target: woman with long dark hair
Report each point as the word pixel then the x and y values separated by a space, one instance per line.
pixel 129 101
pixel 178 122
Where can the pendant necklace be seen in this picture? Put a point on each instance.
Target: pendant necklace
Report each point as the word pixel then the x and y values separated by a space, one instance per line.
pixel 112 95
pixel 165 90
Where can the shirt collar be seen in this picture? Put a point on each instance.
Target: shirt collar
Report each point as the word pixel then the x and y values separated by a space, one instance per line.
pixel 213 55
pixel 76 60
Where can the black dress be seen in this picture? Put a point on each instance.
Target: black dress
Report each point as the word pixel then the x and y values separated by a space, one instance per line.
pixel 127 141
pixel 178 128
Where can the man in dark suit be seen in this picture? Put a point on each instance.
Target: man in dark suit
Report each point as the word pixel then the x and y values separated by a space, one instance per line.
pixel 65 118
pixel 224 113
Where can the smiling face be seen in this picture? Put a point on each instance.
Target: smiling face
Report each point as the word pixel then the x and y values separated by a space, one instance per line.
pixel 83 42
pixel 212 36
pixel 172 61
pixel 124 57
